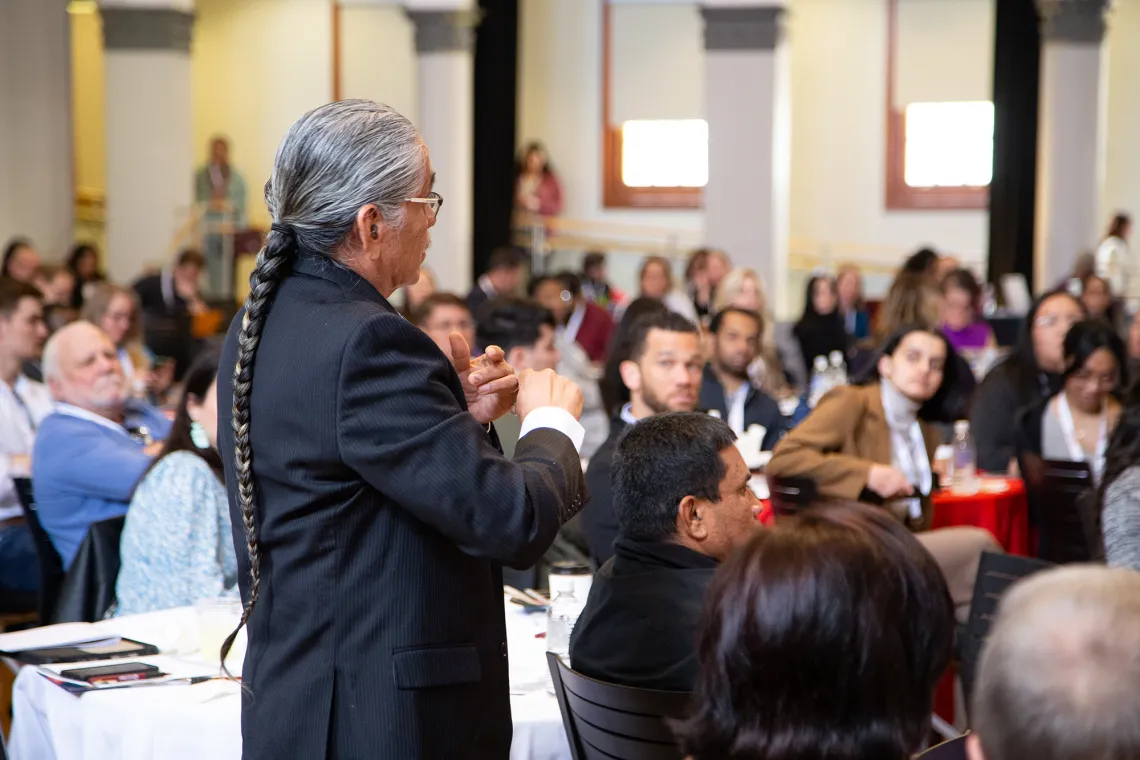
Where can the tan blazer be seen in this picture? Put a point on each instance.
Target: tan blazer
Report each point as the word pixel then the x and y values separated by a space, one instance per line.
pixel 838 442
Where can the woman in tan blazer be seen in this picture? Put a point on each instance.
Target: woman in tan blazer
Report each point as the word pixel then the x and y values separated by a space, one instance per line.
pixel 874 442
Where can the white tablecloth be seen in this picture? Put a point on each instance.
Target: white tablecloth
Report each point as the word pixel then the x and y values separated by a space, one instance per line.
pixel 203 721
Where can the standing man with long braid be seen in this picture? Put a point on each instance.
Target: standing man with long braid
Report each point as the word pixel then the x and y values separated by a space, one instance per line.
pixel 371 504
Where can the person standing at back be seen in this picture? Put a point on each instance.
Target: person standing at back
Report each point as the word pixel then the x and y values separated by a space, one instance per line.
pixel 371 504
pixel 663 374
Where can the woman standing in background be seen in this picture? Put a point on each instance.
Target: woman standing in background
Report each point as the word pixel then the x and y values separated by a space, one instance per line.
pixel 537 189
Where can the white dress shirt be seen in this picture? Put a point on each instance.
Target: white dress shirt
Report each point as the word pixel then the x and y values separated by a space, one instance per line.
pixel 22 409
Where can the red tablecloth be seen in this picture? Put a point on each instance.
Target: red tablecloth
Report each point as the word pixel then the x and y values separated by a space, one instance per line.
pixel 1004 513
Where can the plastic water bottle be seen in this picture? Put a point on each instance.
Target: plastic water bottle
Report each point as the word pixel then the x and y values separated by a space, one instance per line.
pixel 838 368
pixel 964 478
pixel 819 381
pixel 560 620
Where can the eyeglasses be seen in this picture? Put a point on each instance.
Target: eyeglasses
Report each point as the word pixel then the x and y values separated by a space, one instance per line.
pixel 1051 320
pixel 434 202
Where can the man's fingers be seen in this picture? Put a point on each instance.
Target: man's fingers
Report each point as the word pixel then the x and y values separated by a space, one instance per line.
pixel 460 352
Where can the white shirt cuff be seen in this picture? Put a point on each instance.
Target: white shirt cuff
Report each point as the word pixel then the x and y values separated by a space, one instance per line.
pixel 555 418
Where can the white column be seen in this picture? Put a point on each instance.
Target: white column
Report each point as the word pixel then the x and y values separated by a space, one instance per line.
pixel 1070 135
pixel 150 125
pixel 37 196
pixel 445 66
pixel 748 108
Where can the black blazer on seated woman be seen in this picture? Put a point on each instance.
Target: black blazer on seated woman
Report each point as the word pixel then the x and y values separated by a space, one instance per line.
pixel 384 513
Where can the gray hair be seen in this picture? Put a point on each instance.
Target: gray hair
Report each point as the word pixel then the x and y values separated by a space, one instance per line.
pixel 333 161
pixel 50 362
pixel 1059 677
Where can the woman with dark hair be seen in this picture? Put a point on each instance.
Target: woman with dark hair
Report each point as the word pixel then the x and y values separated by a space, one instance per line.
pixel 177 545
pixel 1075 423
pixel 537 189
pixel 83 261
pixel 20 260
pixel 365 478
pixel 614 393
pixel 824 637
pixel 821 329
pixel 1028 375
pixel 1112 256
pixel 961 308
pixel 924 261
pixel 874 440
pixel 703 273
pixel 1118 496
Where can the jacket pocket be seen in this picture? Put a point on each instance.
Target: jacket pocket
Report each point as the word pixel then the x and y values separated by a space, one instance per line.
pixel 425 667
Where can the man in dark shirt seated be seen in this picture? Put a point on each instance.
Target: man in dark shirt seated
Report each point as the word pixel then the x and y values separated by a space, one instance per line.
pixel 683 504
pixel 725 385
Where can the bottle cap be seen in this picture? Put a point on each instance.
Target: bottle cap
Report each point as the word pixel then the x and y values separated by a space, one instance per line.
pixel 820 363
pixel 836 358
pixel 961 426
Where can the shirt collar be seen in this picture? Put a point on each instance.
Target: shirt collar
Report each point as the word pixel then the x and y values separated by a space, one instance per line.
pixel 664 553
pixel 83 414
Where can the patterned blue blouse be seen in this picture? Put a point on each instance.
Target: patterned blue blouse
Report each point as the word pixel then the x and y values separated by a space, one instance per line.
pixel 176 546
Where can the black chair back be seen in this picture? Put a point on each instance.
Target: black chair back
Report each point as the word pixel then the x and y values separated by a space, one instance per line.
pixel 89 587
pixel 791 494
pixel 604 721
pixel 1062 531
pixel 51 567
pixel 954 749
pixel 996 573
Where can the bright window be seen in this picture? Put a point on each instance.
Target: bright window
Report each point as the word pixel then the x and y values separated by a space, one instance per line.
pixel 949 144
pixel 666 153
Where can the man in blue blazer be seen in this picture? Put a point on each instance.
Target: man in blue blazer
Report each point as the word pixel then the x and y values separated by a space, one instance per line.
pixel 94 448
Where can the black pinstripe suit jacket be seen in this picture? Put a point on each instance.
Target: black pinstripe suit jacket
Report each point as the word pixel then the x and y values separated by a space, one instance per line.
pixel 385 512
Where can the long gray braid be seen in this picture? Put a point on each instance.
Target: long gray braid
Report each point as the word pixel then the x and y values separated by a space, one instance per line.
pixel 333 161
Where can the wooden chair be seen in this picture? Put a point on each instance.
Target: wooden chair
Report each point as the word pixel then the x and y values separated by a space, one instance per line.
pixel 604 721
pixel 996 573
pixel 51 566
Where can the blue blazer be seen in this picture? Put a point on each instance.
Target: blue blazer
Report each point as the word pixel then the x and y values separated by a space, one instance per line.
pixel 83 472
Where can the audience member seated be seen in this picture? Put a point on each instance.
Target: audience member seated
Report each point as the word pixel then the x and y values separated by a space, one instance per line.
pixel 21 260
pixel 820 330
pixel 681 496
pixel 743 289
pixel 823 638
pixel 502 278
pixel 1076 423
pixel 525 332
pixel 1118 497
pixel 849 288
pixel 614 393
pixel 169 300
pixel 417 293
pixel 656 281
pixel 961 309
pixel 727 386
pixel 56 283
pixel 440 315
pixel 923 262
pixel 1058 673
pixel 177 546
pixel 874 441
pixel 24 404
pixel 92 450
pixel 580 321
pixel 595 287
pixel 114 310
pixel 1027 376
pixel 84 264
pixel 706 268
pixel 1100 302
pixel 663 374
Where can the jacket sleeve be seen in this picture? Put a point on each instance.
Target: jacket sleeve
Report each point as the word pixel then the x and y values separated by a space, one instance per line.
pixel 992 418
pixel 402 429
pixel 812 448
pixel 1121 520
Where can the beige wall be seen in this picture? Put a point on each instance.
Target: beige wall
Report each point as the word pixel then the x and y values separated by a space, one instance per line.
pixel 88 93
pixel 378 56
pixel 1122 57
pixel 257 66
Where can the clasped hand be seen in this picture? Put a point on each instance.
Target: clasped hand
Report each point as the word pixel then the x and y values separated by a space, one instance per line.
pixel 489 383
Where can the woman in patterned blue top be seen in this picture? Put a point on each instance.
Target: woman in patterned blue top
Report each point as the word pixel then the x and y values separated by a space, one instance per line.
pixel 177 547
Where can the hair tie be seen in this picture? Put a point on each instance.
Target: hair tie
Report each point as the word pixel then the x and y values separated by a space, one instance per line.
pixel 284 229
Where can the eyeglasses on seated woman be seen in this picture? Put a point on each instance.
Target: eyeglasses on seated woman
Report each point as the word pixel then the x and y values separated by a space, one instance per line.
pixel 823 637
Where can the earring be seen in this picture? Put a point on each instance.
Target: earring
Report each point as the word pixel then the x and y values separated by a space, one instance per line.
pixel 198 435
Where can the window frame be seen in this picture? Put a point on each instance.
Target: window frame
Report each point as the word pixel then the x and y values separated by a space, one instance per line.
pixel 615 193
pixel 900 196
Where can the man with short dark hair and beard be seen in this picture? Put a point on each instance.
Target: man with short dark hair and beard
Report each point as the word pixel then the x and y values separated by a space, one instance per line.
pixel 725 386
pixel 663 374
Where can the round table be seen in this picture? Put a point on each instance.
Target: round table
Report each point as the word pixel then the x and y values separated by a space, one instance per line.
pixel 1000 506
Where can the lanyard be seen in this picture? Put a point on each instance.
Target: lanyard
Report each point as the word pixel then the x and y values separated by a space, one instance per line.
pixel 1069 431
pixel 913 466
